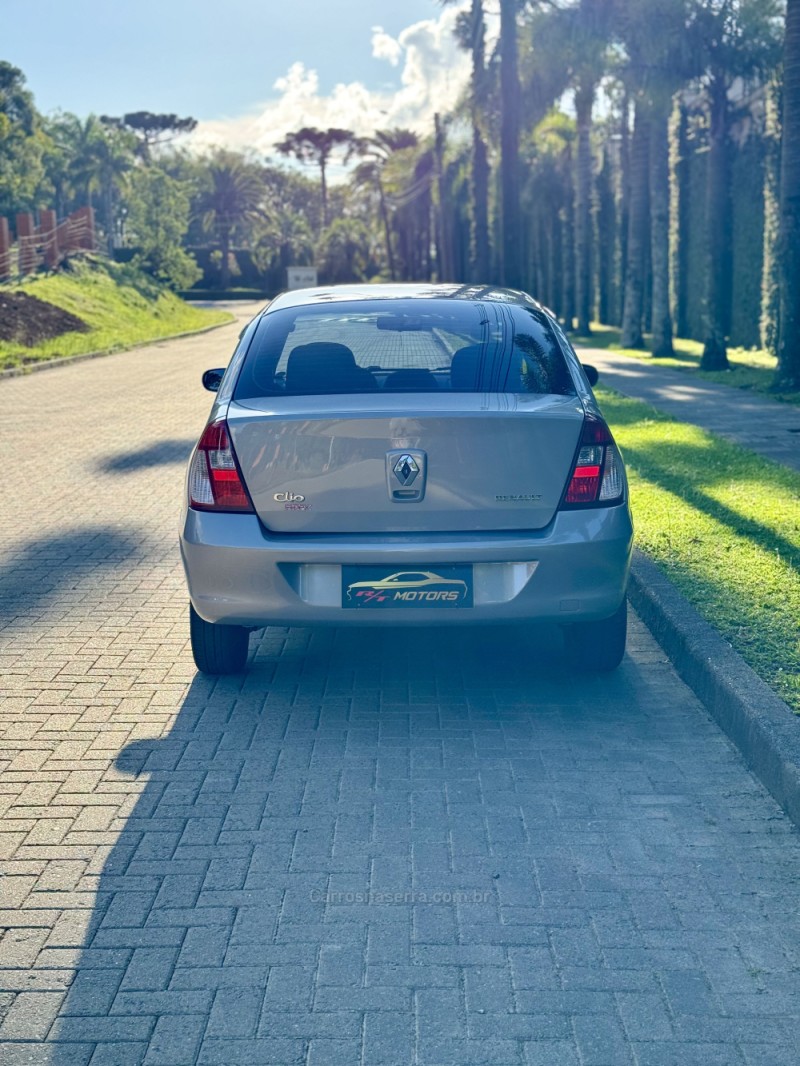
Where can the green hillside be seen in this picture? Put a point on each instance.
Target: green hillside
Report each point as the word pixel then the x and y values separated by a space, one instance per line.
pixel 93 306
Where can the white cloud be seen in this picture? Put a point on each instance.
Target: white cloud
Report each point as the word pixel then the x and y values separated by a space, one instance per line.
pixel 385 46
pixel 433 74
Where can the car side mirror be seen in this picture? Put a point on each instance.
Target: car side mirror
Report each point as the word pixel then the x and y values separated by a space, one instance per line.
pixel 212 379
pixel 590 371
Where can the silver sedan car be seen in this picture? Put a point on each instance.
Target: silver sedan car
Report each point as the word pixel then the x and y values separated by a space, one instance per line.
pixel 405 455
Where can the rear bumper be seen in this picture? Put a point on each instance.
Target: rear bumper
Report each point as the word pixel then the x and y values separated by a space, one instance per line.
pixel 574 570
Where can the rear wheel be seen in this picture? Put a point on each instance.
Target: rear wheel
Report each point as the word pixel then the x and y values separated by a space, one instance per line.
pixel 598 646
pixel 217 649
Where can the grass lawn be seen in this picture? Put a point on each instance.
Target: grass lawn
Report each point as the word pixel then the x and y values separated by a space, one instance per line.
pixel 121 306
pixel 724 524
pixel 750 369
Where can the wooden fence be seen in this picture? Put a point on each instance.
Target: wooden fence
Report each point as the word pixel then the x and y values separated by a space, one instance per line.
pixel 45 244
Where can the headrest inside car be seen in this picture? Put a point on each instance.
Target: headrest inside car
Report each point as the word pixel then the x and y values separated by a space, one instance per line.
pixel 324 366
pixel 411 380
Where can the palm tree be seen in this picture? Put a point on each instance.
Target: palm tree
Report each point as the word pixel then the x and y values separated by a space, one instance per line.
pixel 344 251
pixel 605 258
pixel 114 156
pixel 680 207
pixel 471 36
pixel 79 139
pixel 409 183
pixel 742 40
pixel 311 145
pixel 788 373
pixel 638 215
pixel 662 54
pixel 379 150
pixel 509 143
pixel 101 156
pixel 549 201
pixel 586 36
pixel 770 270
pixel 233 199
pixel 286 240
pixel 445 258
pixel 58 162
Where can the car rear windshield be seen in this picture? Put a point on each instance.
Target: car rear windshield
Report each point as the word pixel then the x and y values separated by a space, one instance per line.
pixel 403 346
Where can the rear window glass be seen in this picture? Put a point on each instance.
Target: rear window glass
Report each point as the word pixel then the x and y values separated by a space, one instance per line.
pixel 537 362
pixel 402 346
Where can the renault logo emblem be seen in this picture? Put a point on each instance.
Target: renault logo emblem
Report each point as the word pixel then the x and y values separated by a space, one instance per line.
pixel 406 470
pixel 406 474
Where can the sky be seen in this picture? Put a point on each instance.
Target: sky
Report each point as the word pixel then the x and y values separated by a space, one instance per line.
pixel 248 70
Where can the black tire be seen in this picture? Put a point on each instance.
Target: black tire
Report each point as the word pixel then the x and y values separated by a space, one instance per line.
pixel 217 649
pixel 598 646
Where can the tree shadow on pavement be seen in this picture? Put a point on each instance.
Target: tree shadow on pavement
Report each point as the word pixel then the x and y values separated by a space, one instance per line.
pixel 226 926
pixel 667 475
pixel 36 574
pixel 162 454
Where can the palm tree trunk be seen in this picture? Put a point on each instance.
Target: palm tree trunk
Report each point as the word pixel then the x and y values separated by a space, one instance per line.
pixel 406 230
pixel 108 215
pixel 225 267
pixel 324 191
pixel 659 232
pixel 549 267
pixel 584 99
pixel 386 229
pixel 788 373
pixel 480 161
pixel 444 246
pixel 770 271
pixel 556 294
pixel 679 218
pixel 480 206
pixel 428 233
pixel 59 198
pixel 632 336
pixel 715 354
pixel 568 247
pixel 606 234
pixel 624 200
pixel 542 260
pixel 509 143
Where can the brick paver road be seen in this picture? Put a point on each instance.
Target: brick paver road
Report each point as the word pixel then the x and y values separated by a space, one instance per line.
pixel 375 849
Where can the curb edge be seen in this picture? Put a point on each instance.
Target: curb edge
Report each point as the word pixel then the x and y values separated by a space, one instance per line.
pixel 759 723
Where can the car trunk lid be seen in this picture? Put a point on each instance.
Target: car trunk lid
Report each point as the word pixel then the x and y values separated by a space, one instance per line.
pixel 340 464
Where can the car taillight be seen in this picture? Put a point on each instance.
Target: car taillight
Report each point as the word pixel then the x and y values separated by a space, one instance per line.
pixel 597 476
pixel 215 483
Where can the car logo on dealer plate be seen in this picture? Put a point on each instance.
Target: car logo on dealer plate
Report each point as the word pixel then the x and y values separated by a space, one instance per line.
pixel 406 470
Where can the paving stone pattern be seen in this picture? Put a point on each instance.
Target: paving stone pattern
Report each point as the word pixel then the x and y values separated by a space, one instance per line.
pixel 375 849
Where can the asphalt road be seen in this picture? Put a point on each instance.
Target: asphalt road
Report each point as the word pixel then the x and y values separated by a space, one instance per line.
pixel 373 850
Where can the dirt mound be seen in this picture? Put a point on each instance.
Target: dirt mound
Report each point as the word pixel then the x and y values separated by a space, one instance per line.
pixel 29 321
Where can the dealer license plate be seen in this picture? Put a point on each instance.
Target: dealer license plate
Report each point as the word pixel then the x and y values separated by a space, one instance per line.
pixel 381 587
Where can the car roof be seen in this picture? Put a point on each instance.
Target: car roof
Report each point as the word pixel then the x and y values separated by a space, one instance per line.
pixel 408 291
